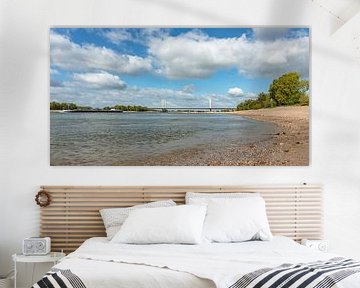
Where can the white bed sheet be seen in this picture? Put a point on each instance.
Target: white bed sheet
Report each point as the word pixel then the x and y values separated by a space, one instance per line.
pixel 101 274
pixel 106 274
pixel 100 263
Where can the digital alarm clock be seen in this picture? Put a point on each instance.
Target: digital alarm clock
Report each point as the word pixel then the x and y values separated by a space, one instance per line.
pixel 36 246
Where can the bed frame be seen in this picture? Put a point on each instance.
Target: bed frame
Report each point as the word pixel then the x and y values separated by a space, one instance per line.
pixel 73 214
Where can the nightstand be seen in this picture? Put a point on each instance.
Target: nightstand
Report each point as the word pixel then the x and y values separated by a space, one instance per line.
pixel 53 257
pixel 320 245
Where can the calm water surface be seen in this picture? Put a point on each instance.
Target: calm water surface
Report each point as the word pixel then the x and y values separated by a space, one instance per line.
pixel 130 138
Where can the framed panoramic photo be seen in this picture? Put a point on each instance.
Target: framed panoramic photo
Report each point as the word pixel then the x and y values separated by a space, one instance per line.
pixel 179 96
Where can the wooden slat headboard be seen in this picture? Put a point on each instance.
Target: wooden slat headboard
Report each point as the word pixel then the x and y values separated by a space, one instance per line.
pixel 73 215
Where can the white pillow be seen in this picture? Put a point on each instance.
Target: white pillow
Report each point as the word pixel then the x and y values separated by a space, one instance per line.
pixel 204 198
pixel 113 218
pixel 236 220
pixel 173 225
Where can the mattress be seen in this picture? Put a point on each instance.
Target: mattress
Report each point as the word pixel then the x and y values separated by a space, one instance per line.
pixel 99 263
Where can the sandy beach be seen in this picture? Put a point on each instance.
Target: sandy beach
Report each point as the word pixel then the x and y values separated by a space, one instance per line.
pixel 287 146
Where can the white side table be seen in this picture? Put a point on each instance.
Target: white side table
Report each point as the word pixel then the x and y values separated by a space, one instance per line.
pixel 53 257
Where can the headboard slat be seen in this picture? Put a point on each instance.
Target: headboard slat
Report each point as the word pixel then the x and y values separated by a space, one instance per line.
pixel 73 216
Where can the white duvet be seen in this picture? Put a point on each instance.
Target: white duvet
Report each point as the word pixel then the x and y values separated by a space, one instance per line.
pixel 100 263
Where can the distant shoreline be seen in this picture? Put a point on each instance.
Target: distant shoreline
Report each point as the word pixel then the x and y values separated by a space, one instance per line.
pixel 87 111
pixel 149 111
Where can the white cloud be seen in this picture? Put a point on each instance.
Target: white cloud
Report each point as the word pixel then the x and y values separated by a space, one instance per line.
pixel 235 91
pixel 118 35
pixel 140 36
pixel 189 55
pixel 195 55
pixel 71 56
pixel 101 80
pixel 148 34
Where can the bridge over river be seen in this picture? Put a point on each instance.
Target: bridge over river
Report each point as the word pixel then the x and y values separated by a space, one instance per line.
pixel 192 109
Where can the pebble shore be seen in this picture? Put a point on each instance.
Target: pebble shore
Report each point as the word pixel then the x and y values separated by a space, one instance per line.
pixel 287 146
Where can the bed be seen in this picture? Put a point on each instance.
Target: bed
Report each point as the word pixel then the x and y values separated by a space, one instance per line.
pixel 295 211
pixel 99 263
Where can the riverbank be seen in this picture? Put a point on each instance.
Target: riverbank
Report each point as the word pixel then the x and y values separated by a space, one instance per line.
pixel 290 145
pixel 287 145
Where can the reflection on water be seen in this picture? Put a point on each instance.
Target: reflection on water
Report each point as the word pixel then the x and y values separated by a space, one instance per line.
pixel 130 138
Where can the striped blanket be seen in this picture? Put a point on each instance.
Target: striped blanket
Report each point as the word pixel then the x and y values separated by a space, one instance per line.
pixel 320 274
pixel 59 278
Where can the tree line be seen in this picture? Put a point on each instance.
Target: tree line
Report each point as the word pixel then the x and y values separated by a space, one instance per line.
pixel 135 108
pixel 72 106
pixel 288 89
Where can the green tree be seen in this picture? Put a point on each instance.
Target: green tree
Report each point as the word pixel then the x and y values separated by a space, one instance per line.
pixel 54 106
pixel 62 106
pixel 130 108
pixel 304 100
pixel 265 100
pixel 288 88
pixel 72 106
pixel 249 104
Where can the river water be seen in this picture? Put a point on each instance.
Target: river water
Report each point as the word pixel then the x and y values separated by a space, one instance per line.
pixel 111 139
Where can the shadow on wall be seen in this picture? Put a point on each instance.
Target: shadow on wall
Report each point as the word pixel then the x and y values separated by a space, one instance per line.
pixel 343 143
pixel 196 12
pixel 295 13
pixel 275 11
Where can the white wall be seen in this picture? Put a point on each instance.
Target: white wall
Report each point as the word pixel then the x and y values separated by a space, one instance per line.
pixel 24 115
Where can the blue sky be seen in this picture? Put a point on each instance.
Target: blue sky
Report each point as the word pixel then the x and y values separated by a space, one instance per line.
pixel 184 66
